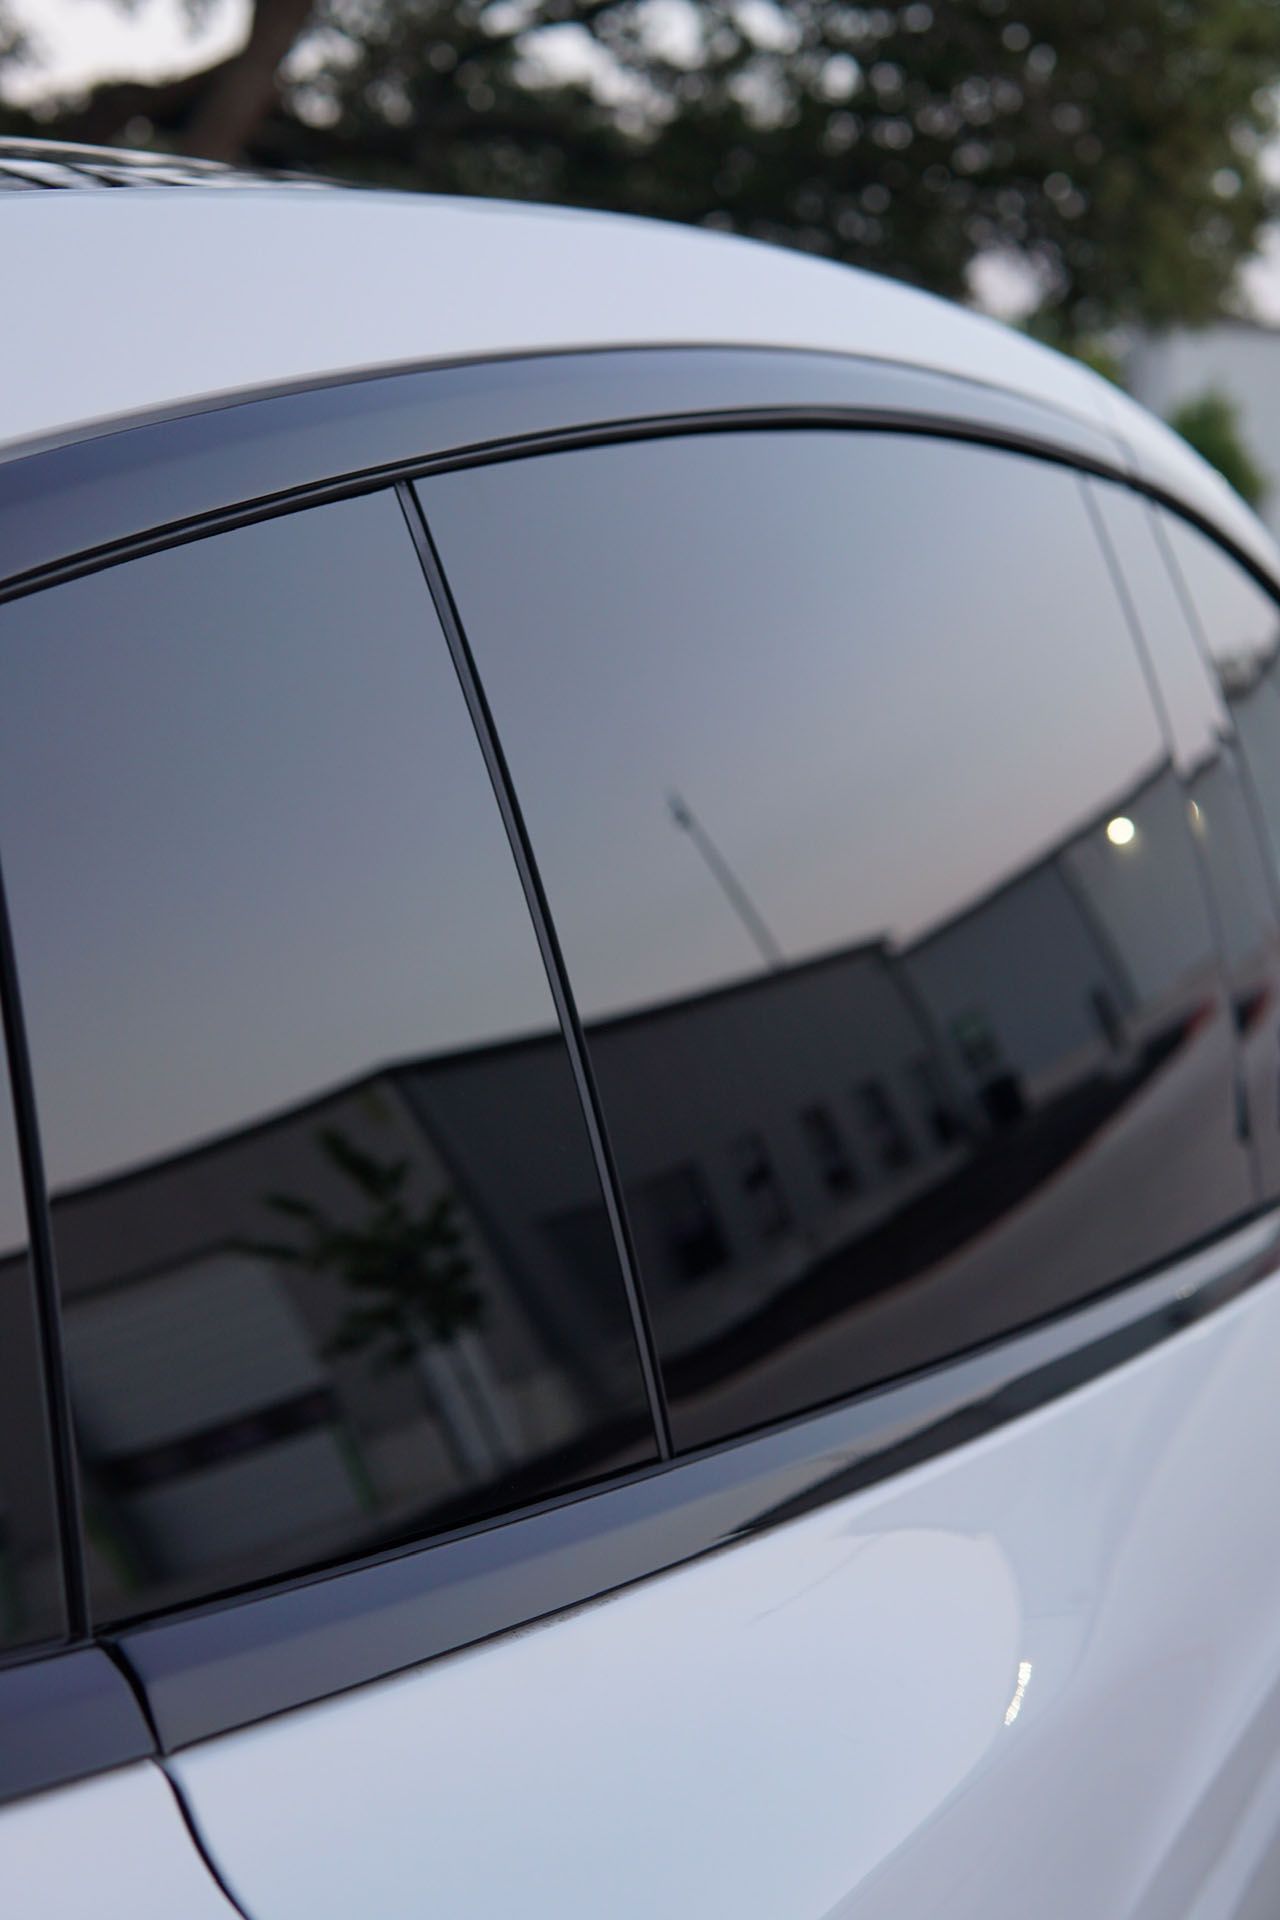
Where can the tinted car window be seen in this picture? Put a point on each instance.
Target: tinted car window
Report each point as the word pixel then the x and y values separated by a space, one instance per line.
pixel 851 798
pixel 1221 806
pixel 310 1130
pixel 1238 625
pixel 32 1604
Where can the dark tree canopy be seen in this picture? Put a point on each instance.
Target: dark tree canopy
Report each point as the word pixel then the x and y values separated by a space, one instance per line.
pixel 1110 144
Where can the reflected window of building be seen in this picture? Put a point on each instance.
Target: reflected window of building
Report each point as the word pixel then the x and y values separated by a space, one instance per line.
pixel 883 1126
pixel 305 1105
pixel 677 1216
pixel 827 1147
pixel 758 1177
pixel 938 1108
pixel 893 685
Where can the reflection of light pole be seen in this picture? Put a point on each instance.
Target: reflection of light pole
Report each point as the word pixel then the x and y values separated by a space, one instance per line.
pixel 737 894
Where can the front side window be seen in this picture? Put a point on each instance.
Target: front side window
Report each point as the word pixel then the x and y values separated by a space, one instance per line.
pixel 309 1126
pixel 929 871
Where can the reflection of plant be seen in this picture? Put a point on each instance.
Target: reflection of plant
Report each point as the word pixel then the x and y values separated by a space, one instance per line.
pixel 409 1269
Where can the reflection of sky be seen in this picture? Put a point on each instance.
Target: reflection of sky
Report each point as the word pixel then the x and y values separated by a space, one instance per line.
pixel 1239 621
pixel 914 699
pixel 1193 708
pixel 278 860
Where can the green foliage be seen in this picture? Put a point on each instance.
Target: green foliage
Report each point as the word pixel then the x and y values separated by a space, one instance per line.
pixel 1111 144
pixel 407 1268
pixel 1211 424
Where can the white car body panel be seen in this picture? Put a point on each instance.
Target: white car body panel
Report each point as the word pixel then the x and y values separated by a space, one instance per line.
pixel 114 1848
pixel 240 289
pixel 1039 1674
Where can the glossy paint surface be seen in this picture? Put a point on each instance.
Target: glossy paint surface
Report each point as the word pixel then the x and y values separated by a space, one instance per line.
pixel 444 279
pixel 115 1848
pixel 1041 1674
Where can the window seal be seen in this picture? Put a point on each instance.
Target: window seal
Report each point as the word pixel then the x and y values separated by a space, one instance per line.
pixel 66 1717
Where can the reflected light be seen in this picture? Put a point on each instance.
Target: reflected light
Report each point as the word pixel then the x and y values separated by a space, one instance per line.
pixel 1121 830
pixel 1014 1707
pixel 1197 818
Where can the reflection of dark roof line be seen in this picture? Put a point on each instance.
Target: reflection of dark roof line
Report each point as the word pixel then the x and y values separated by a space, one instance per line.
pixel 1159 769
pixel 389 1071
pixel 761 979
pixel 467 1056
pixel 392 1071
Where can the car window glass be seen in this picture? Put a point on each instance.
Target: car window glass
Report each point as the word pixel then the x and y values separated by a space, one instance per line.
pixel 875 884
pixel 312 1139
pixel 1221 805
pixel 1238 626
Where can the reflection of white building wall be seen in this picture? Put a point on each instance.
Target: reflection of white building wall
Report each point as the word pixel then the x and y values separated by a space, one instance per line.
pixel 175 1332
pixel 710 1102
pixel 191 1349
pixel 686 1086
pixel 1146 895
pixel 1025 961
pixel 751 1060
pixel 1236 357
pixel 1095 925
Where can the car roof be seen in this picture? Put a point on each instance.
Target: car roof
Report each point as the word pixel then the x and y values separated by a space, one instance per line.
pixel 122 304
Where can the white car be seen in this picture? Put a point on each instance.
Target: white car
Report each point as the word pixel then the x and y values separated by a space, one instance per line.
pixel 640 964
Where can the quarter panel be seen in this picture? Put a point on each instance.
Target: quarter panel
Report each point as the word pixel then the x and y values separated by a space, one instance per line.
pixel 114 1848
pixel 1038 1673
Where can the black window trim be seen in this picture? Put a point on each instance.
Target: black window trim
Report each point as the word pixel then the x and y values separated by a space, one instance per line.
pixel 235 1660
pixel 229 1664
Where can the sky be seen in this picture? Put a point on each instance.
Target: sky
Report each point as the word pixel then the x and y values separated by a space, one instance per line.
pixel 86 40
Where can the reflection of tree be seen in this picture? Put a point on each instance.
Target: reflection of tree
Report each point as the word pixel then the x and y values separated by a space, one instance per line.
pixel 410 1278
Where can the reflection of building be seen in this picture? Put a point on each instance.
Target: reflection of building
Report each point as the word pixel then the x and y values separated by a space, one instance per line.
pixel 793 1140
pixel 220 1408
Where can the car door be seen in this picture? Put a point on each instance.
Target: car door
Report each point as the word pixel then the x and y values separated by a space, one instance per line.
pixel 850 799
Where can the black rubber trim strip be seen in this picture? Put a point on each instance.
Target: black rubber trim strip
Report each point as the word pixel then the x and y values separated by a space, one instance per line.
pixel 227 1666
pixel 134 486
pixel 64 1718
pixel 66 506
pixel 552 959
pixel 45 1278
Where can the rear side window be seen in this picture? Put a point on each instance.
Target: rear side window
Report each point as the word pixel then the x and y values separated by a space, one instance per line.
pixel 309 1125
pixel 876 886
pixel 1222 806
